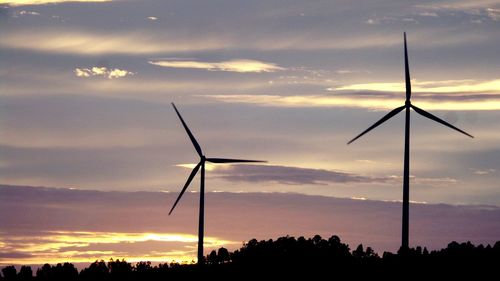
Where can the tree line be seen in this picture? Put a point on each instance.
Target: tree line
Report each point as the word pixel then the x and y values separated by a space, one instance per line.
pixel 290 257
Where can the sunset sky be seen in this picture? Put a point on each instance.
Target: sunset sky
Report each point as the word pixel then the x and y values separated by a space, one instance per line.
pixel 85 97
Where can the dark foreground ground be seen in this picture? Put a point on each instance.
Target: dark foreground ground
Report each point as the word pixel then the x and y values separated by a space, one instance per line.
pixel 288 257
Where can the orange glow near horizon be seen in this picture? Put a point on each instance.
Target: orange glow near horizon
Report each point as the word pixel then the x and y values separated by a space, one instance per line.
pixel 80 246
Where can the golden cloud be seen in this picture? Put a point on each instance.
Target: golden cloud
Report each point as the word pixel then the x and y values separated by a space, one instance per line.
pixel 102 71
pixel 239 65
pixel 447 86
pixel 208 166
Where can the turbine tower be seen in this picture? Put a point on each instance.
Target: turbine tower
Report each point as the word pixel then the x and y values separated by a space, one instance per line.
pixel 201 165
pixel 406 173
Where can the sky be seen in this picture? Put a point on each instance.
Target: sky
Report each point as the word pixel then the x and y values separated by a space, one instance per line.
pixel 56 225
pixel 86 88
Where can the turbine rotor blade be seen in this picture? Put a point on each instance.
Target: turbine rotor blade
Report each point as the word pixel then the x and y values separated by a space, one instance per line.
pixel 407 73
pixel 193 140
pixel 226 160
pixel 385 118
pixel 437 119
pixel 190 178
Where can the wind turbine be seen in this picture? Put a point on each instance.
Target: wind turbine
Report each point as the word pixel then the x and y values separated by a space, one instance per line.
pixel 201 165
pixel 406 173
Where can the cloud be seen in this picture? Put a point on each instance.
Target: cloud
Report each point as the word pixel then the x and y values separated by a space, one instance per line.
pixel 32 13
pixel 179 41
pixel 43 2
pixel 412 20
pixel 488 8
pixel 237 65
pixel 300 176
pixel 349 71
pixel 89 43
pixel 460 4
pixel 372 21
pixel 444 86
pixel 431 95
pixel 290 175
pixel 428 14
pixel 493 14
pixel 109 73
pixel 483 172
pixel 475 102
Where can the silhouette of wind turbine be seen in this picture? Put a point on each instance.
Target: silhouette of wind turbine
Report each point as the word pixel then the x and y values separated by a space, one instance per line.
pixel 406 173
pixel 201 165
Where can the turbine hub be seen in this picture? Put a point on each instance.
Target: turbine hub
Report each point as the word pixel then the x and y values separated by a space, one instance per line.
pixel 407 103
pixel 203 158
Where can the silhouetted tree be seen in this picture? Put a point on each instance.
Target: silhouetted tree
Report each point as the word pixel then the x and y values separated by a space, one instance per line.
pixel 223 255
pixel 44 272
pixel 97 270
pixel 212 257
pixel 143 266
pixel 359 252
pixel 25 273
pixel 65 271
pixel 119 270
pixel 9 273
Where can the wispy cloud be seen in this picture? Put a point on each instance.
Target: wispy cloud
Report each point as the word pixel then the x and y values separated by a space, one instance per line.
pixel 433 95
pixel 88 43
pixel 493 14
pixel 32 13
pixel 483 172
pixel 488 8
pixel 42 2
pixel 208 166
pixel 237 65
pixel 291 175
pixel 428 14
pixel 136 42
pixel 460 4
pixel 446 86
pixel 102 71
pixel 376 103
